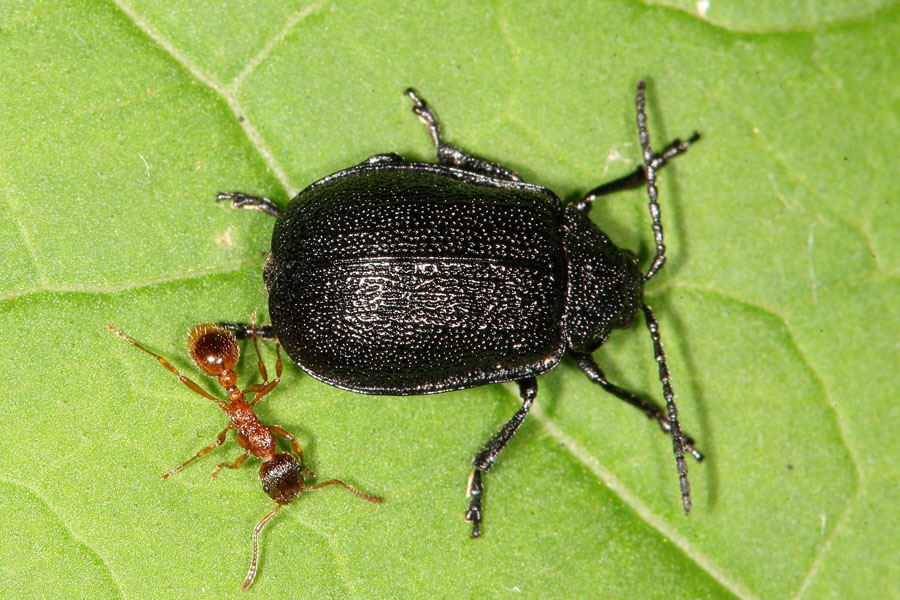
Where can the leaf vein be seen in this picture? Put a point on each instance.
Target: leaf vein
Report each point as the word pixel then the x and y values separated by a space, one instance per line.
pixel 112 288
pixel 202 76
pixel 839 426
pixel 289 25
pixel 90 549
pixel 26 240
pixel 640 508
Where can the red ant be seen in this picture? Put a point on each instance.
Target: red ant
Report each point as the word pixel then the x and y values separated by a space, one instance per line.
pixel 215 351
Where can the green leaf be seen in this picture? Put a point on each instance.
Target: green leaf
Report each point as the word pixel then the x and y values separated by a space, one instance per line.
pixel 120 121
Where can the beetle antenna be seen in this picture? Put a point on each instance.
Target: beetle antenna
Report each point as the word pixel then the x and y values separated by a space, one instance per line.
pixel 251 574
pixel 650 167
pixel 652 163
pixel 678 441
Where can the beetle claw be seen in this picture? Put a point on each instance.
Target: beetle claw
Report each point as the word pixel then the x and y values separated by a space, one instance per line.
pixel 474 490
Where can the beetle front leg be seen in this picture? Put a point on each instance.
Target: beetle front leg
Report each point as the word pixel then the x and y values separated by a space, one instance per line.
pixel 638 177
pixel 485 458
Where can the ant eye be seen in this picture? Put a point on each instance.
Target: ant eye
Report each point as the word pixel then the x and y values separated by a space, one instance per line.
pixel 266 489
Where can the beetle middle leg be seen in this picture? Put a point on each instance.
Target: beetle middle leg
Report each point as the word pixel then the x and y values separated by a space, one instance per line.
pixel 239 200
pixel 667 420
pixel 242 331
pixel 485 458
pixel 451 155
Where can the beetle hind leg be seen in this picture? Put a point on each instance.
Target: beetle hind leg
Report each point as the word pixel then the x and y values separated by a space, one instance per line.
pixel 451 155
pixel 485 457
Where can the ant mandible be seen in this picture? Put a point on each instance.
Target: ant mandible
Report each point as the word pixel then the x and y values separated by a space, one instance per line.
pixel 215 351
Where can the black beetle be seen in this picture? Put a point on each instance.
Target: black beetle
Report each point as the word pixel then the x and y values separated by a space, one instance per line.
pixel 397 277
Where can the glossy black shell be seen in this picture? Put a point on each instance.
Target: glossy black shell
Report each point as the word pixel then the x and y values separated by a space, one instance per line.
pixel 397 277
pixel 402 278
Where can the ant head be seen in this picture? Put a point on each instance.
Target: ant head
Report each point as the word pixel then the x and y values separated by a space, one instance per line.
pixel 282 478
pixel 213 349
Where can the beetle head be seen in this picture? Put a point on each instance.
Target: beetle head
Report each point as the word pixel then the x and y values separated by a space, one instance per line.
pixel 605 285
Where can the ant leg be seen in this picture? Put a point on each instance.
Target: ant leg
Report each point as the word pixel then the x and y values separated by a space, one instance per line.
pixel 485 458
pixel 259 361
pixel 590 368
pixel 294 444
pixel 235 465
pixel 239 200
pixel 189 383
pixel 220 439
pixel 375 499
pixel 242 331
pixel 450 155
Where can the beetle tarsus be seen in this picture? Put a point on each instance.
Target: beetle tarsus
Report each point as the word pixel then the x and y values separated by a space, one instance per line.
pixel 475 491
pixel 426 115
pixel 239 200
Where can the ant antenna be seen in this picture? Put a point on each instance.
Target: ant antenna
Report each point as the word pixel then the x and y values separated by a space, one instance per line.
pixel 251 574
